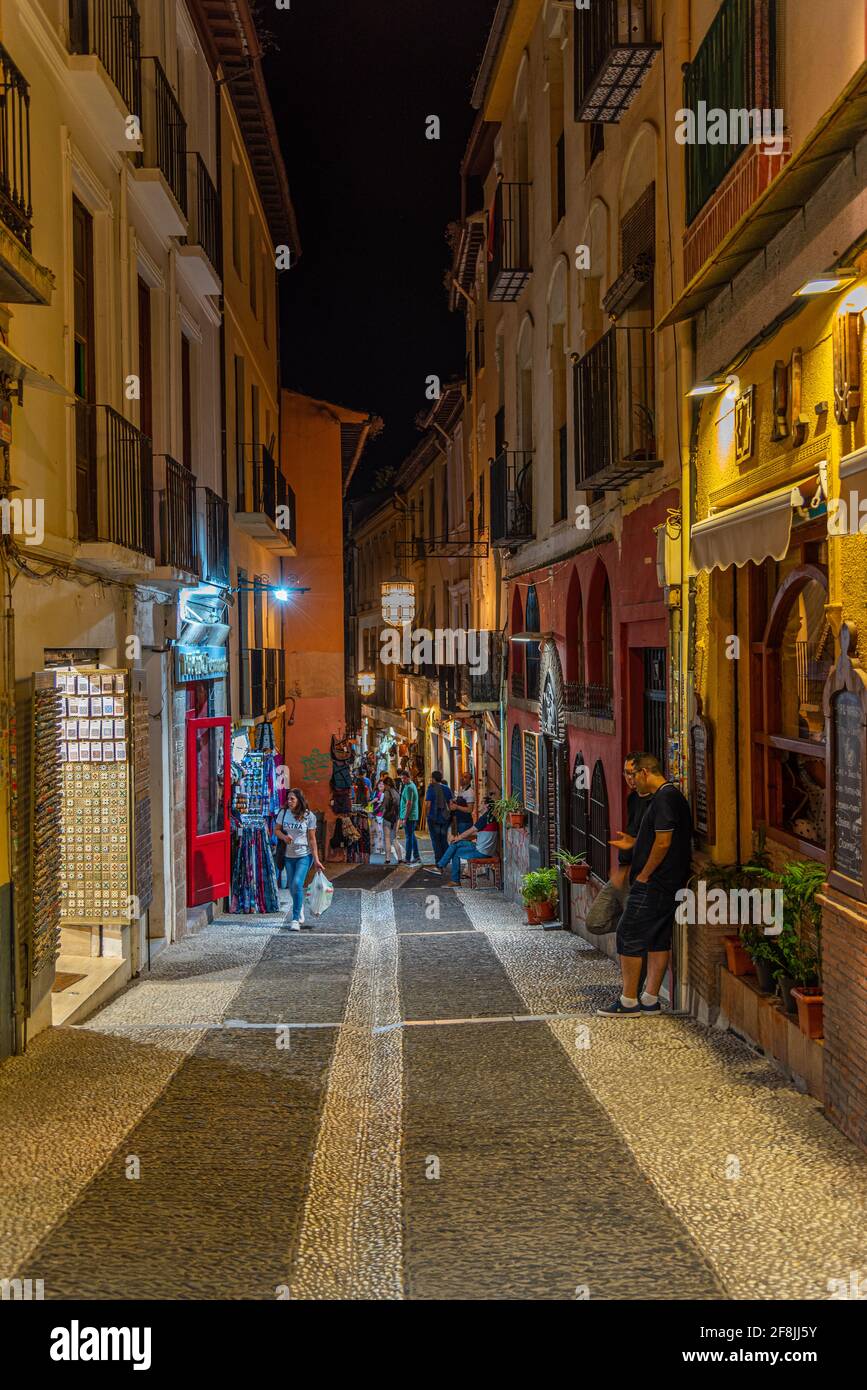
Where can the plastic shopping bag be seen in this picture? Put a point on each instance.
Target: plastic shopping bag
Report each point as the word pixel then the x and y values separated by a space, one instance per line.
pixel 319 894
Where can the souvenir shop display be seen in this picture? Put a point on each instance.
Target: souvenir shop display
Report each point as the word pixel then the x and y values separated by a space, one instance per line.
pixel 255 803
pixel 94 823
pixel 341 776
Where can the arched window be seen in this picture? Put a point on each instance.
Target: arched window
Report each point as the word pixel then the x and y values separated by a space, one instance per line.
pixel 791 662
pixel 578 818
pixel 600 644
pixel 533 657
pixel 517 648
pixel 516 770
pixel 574 632
pixel 598 848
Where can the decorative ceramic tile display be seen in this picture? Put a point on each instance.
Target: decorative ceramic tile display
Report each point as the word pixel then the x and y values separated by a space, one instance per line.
pixel 95 866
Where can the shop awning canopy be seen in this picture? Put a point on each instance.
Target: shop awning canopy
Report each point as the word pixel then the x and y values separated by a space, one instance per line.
pixel 754 531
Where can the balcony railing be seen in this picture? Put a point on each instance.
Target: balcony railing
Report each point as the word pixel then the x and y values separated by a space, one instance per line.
pixel 613 54
pixel 204 212
pixel 263 490
pixel 165 132
pixel 215 551
pixel 734 70
pixel 114 477
pixel 615 422
pixel 263 681
pixel 178 523
pixel 512 499
pixel 484 686
pixel 112 30
pixel 510 267
pixel 16 209
pixel 594 700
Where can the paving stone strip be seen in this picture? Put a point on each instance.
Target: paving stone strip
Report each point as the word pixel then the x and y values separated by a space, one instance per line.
pixel 350 1241
pixel 772 1193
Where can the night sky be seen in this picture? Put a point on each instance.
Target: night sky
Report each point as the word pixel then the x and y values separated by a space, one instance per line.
pixel 364 314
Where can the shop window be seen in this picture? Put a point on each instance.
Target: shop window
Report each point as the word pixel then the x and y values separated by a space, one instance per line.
pixel 533 657
pixel 598 849
pixel 792 655
pixel 516 768
pixel 578 817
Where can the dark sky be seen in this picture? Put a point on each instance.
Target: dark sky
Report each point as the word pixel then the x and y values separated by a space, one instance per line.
pixel 365 317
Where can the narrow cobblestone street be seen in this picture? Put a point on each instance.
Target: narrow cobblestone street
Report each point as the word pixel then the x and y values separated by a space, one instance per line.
pixel 448 1120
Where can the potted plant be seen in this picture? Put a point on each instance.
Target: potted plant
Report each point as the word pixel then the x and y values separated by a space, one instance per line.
pixel 799 943
pixel 509 808
pixel 539 892
pixel 575 866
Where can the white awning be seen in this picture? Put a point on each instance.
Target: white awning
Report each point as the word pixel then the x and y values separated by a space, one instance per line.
pixel 17 369
pixel 751 532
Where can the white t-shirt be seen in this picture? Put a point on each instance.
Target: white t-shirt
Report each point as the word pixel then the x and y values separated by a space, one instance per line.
pixel 297 830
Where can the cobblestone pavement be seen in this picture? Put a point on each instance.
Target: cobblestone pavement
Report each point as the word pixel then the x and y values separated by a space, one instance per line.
pixel 412 1100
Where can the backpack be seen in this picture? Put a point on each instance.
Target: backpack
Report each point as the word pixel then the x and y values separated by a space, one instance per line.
pixel 390 805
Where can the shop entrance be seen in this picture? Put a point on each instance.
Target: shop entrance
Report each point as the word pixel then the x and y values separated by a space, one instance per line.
pixel 208 829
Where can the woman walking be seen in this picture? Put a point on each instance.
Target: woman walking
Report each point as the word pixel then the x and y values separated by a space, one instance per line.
pixel 296 828
pixel 390 813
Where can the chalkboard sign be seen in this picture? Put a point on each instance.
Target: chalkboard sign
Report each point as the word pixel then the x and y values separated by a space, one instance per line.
pixel 701 777
pixel 531 771
pixel 844 704
pixel 848 764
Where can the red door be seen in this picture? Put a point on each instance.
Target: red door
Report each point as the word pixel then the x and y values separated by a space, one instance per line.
pixel 208 830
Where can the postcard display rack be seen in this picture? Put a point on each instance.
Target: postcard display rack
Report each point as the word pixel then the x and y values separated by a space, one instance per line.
pixel 95 831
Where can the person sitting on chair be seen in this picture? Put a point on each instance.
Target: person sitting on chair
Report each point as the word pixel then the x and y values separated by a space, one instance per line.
pixel 485 833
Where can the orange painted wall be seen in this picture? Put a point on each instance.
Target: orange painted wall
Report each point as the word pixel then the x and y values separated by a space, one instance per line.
pixel 311 459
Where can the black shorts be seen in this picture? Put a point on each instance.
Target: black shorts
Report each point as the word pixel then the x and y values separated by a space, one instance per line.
pixel 647 921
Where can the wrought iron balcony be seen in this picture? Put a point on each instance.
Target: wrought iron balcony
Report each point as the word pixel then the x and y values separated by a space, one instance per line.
pixel 215 551
pixel 265 501
pixel 110 29
pixel 164 153
pixel 449 693
pixel 204 234
pixel 114 480
pixel 510 267
pixel 178 529
pixel 512 499
pixel 734 70
pixel 596 701
pixel 613 55
pixel 615 421
pixel 16 209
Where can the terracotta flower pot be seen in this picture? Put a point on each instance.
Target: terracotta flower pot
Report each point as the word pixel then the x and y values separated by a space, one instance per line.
pixel 517 819
pixel 737 959
pixel 577 873
pixel 810 1001
pixel 539 912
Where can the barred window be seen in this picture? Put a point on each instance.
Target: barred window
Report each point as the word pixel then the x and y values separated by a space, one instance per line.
pixel 578 818
pixel 598 849
pixel 516 777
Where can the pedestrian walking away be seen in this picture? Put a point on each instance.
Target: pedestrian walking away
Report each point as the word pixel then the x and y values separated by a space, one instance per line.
pixel 390 809
pixel 296 829
pixel 661 861
pixel 408 816
pixel 439 803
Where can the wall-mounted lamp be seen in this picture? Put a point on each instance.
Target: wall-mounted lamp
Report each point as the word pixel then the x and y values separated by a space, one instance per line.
pixel 281 592
pixel 827 282
pixel 712 385
pixel 366 682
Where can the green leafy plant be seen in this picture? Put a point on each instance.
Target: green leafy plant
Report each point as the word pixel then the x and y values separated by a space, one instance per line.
pixel 565 856
pixel 508 806
pixel 800 941
pixel 539 886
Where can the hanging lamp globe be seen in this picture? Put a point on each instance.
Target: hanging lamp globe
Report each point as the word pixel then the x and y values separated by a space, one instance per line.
pixel 366 682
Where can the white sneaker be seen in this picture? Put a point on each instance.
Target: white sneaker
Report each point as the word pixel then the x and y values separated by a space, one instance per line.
pixel 294 925
pixel 301 918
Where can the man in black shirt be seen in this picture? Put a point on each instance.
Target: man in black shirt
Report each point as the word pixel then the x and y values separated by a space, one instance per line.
pixel 636 805
pixel 661 861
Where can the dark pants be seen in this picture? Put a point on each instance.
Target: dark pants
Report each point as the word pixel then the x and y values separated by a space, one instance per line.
pixel 412 854
pixel 439 835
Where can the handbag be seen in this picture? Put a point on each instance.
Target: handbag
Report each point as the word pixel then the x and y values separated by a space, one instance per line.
pixel 607 909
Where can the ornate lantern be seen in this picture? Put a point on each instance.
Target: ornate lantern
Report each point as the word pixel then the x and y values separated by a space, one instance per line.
pixel 366 682
pixel 398 601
